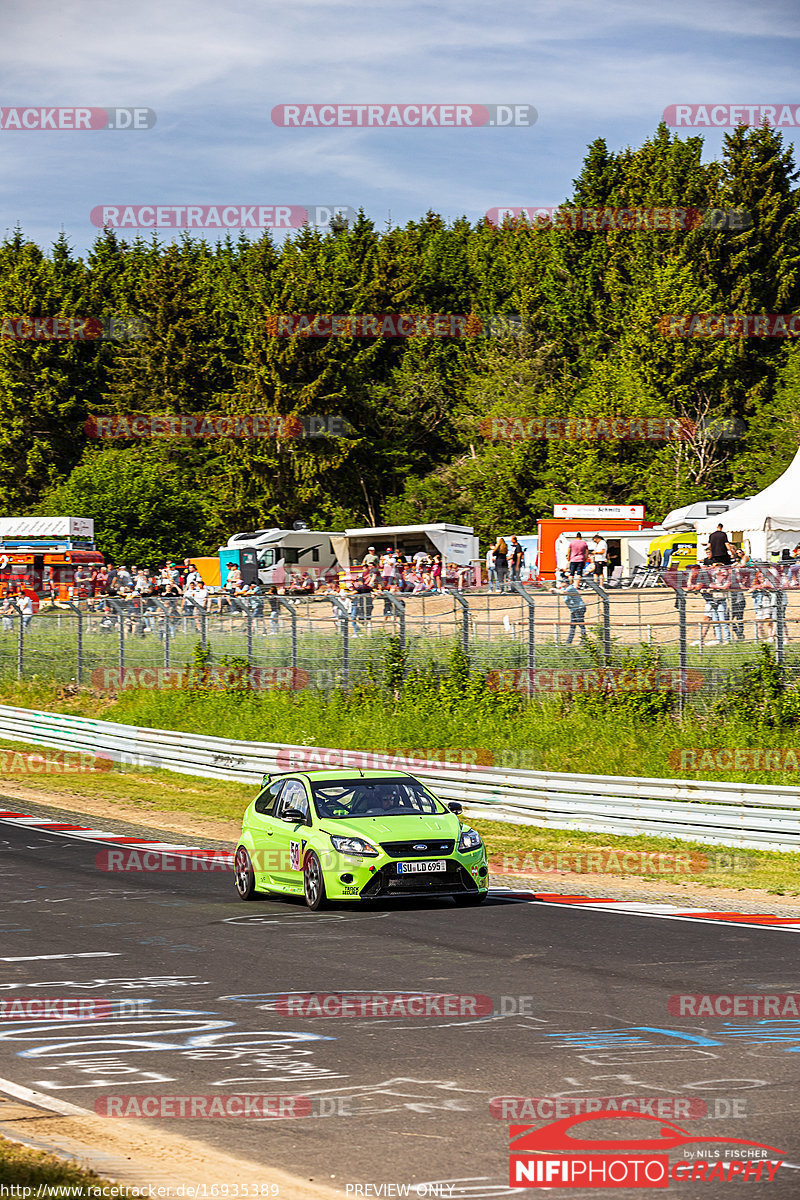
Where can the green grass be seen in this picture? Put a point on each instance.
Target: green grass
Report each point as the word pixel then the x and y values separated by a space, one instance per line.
pixel 23 1167
pixel 541 736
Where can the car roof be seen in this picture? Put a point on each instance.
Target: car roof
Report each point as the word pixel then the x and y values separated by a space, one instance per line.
pixel 341 776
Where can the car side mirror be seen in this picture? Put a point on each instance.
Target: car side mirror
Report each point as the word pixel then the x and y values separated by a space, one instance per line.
pixel 293 816
pixel 455 807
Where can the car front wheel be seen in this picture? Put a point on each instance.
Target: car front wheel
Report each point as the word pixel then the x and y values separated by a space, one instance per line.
pixel 314 883
pixel 244 875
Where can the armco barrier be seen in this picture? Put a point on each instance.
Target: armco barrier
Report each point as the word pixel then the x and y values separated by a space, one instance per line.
pixel 729 814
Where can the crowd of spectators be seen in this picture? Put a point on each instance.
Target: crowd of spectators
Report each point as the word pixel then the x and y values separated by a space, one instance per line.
pixel 145 598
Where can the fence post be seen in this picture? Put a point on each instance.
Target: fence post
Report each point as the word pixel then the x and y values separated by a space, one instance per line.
pixel 165 608
pixel 780 625
pixel 121 616
pixel 603 594
pixel 20 644
pixel 670 579
pixel 464 618
pixel 400 608
pixel 292 611
pixel 345 631
pixel 79 645
pixel 528 598
pixel 248 616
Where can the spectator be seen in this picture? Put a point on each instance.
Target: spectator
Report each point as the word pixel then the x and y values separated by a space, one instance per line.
pixel 370 558
pixel 274 609
pixel 599 553
pixel 764 603
pixel 388 563
pixel 491 573
pixel 233 579
pixel 192 575
pixel 719 546
pixel 197 595
pixel 720 579
pixel 501 563
pixel 698 580
pixel 515 557
pixel 436 573
pixel 577 610
pixel 738 585
pixel 8 612
pixel 124 579
pixel 577 555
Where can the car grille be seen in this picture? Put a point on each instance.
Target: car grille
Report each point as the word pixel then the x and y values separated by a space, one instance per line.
pixel 445 883
pixel 433 848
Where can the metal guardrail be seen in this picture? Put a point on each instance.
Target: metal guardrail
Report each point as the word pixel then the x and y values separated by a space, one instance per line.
pixel 727 814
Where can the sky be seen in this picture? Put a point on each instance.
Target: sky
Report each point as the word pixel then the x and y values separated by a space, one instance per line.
pixel 213 75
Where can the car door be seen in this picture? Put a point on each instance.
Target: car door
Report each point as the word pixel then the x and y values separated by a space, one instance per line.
pixel 290 838
pixel 266 856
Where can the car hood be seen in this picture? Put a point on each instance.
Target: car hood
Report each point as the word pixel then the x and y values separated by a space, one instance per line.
pixel 395 829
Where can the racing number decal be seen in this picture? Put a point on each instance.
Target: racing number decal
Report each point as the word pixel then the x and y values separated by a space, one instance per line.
pixel 294 856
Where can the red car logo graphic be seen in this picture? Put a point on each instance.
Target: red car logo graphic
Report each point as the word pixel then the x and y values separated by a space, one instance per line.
pixel 557 1138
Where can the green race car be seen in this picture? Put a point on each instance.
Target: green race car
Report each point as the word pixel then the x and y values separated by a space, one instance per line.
pixel 353 835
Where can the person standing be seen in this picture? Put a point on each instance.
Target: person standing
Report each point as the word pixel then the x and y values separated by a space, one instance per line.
pixel 719 546
pixel 599 552
pixel 274 608
pixel 491 574
pixel 577 610
pixel 738 585
pixel 516 554
pixel 719 603
pixel 370 559
pixel 501 563
pixel 577 555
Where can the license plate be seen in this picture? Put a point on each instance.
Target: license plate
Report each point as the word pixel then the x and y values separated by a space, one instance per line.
pixel 421 868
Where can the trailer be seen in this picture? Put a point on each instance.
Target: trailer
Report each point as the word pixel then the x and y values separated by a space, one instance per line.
pixel 280 557
pixel 457 544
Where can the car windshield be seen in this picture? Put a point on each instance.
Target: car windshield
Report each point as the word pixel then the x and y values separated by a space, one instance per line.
pixel 342 798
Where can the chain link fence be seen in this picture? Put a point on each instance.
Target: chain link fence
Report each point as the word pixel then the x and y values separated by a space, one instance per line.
pixel 664 636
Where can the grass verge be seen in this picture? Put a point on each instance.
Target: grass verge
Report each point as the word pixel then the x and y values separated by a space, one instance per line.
pixel 48 1176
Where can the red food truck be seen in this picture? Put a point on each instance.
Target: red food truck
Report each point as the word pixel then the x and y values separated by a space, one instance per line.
pixel 41 556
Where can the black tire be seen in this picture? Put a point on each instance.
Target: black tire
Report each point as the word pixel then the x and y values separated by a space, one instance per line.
pixel 470 899
pixel 314 883
pixel 244 875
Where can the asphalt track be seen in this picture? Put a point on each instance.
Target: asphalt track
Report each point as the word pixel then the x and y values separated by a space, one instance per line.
pixel 579 998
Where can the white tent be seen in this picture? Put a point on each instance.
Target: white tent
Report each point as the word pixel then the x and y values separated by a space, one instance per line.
pixel 770 521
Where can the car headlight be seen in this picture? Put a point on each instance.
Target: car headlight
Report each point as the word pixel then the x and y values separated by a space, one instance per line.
pixel 469 840
pixel 354 845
